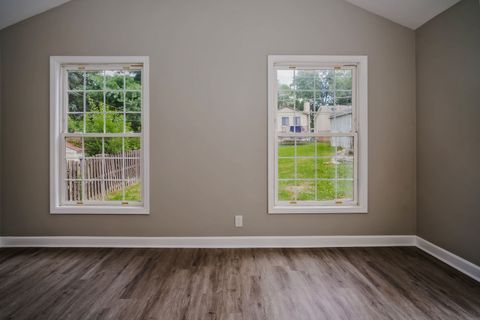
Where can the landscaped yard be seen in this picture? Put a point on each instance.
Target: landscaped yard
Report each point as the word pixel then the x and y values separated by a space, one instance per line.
pixel 296 173
pixel 132 193
pixel 316 177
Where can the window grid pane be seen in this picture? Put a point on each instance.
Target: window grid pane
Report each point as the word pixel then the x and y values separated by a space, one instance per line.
pixel 120 107
pixel 318 168
pixel 103 169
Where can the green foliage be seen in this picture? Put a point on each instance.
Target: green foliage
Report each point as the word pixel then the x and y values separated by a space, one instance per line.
pixel 330 86
pixel 75 80
pixel 94 80
pixel 133 80
pixel 133 101
pixel 75 123
pixel 109 79
pixel 114 123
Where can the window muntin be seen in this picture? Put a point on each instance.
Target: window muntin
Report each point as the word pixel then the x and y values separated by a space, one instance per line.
pixel 101 144
pixel 102 129
pixel 296 121
pixel 315 161
pixel 315 158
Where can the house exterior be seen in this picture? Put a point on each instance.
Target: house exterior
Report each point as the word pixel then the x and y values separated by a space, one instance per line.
pixel 289 120
pixel 342 121
pixel 326 119
pixel 323 119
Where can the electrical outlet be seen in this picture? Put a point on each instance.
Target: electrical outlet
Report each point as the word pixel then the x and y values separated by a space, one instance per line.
pixel 238 221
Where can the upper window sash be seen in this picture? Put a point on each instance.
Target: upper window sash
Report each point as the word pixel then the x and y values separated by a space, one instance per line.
pixel 324 66
pixel 92 67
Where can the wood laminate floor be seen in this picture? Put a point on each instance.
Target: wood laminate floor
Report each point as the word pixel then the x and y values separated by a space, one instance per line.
pixel 248 284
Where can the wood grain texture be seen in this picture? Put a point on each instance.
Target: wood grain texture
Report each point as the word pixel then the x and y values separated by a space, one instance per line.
pixel 232 284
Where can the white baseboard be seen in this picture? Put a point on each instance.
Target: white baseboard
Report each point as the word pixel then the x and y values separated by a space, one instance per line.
pixel 449 258
pixel 212 242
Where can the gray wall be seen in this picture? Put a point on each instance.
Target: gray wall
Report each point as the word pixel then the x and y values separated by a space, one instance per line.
pixel 448 142
pixel 208 63
pixel 1 153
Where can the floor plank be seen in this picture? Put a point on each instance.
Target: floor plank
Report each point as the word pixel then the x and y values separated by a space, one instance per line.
pixel 232 284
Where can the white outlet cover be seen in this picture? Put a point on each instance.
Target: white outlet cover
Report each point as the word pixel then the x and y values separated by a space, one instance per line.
pixel 238 221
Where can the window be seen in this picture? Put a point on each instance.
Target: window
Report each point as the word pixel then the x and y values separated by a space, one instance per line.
pixel 99 135
pixel 296 121
pixel 285 121
pixel 320 164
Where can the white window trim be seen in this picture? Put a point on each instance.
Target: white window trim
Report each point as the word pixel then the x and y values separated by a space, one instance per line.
pixel 56 112
pixel 362 117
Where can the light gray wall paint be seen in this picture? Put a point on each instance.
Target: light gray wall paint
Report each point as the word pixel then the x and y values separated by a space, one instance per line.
pixel 13 11
pixel 1 151
pixel 448 142
pixel 208 63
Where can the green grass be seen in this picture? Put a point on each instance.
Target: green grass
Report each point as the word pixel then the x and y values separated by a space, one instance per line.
pixel 306 150
pixel 325 168
pixel 132 193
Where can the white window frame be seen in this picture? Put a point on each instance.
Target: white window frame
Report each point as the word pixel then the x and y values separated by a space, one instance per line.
pixel 361 116
pixel 56 123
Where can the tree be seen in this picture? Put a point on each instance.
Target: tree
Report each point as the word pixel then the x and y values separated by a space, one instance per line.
pixel 94 122
pixel 318 88
pixel 327 84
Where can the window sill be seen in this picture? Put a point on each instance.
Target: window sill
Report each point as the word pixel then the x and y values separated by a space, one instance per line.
pixel 99 210
pixel 317 209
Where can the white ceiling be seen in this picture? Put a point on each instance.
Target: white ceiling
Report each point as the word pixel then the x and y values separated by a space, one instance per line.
pixel 409 13
pixel 13 11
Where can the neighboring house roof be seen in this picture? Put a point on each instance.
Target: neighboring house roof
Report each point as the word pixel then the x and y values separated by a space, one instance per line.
pixel 73 147
pixel 287 108
pixel 340 114
pixel 335 111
